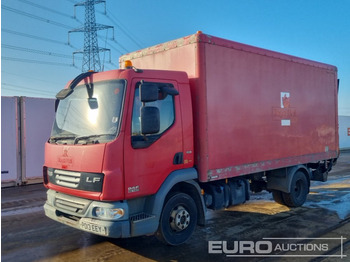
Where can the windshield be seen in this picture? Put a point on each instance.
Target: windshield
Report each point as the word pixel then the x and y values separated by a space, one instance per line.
pixel 91 114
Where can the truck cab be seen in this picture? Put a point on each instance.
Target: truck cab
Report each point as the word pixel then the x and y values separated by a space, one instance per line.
pixel 109 168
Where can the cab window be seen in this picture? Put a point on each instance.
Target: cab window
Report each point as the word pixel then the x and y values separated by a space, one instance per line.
pixel 167 118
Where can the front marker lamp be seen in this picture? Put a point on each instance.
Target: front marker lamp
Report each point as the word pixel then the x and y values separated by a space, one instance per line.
pixel 109 213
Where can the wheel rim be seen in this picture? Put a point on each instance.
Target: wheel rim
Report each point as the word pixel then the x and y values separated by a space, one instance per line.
pixel 179 218
pixel 298 189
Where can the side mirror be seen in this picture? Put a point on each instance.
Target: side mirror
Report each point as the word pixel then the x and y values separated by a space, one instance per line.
pixel 93 104
pixel 64 93
pixel 150 120
pixel 167 90
pixel 148 92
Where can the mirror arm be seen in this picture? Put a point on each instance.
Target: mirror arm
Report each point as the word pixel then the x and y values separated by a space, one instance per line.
pixel 67 91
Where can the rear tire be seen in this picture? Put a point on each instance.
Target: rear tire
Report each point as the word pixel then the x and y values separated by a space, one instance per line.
pixel 178 219
pixel 278 197
pixel 298 192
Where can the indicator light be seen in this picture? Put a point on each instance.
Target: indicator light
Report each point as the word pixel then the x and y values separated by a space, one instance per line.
pixel 127 64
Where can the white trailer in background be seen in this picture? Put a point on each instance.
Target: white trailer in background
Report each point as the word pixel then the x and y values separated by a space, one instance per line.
pixel 25 126
pixel 344 132
pixel 10 151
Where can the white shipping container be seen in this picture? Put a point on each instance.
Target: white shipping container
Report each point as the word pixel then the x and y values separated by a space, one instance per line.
pixel 25 127
pixel 10 166
pixel 38 114
pixel 344 132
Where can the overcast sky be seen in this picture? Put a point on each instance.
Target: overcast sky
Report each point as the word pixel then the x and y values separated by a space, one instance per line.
pixel 37 60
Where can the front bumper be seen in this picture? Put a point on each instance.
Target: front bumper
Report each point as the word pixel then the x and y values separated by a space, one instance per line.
pixel 79 213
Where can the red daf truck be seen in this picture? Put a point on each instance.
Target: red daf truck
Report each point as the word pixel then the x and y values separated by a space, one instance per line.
pixel 183 126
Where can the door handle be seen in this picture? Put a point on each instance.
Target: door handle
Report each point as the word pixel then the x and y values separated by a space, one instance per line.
pixel 178 158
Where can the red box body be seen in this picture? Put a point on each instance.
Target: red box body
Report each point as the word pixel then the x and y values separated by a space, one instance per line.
pixel 253 109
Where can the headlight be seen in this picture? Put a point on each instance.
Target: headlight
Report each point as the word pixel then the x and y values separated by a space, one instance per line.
pixel 109 213
pixel 50 172
pixel 47 174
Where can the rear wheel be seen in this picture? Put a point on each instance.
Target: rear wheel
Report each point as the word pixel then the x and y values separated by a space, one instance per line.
pixel 298 192
pixel 278 197
pixel 178 219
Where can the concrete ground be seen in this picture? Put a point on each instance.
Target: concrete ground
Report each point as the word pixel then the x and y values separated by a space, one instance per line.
pixel 323 222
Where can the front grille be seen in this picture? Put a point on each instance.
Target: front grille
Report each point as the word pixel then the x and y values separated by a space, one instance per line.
pixel 92 182
pixel 67 178
pixel 70 204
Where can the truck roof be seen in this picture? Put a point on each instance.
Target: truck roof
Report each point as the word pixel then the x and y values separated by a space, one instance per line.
pixel 200 37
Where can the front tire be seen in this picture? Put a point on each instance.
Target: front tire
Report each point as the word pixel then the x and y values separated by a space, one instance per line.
pixel 178 219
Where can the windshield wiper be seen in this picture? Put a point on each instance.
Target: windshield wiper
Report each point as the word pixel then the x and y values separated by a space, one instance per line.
pixel 56 138
pixel 89 136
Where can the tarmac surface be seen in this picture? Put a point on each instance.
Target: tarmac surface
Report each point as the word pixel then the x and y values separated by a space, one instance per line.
pixel 263 229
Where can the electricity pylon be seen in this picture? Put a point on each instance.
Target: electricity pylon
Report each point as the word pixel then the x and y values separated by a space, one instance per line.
pixel 91 52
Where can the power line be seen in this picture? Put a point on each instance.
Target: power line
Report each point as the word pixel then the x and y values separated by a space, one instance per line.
pixel 114 20
pixel 30 77
pixel 35 61
pixel 42 19
pixel 40 16
pixel 110 45
pixel 35 51
pixel 45 8
pixel 126 50
pixel 33 36
pixel 23 88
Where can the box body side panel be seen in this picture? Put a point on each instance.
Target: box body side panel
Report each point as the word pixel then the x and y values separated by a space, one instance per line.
pixel 265 112
pixel 253 109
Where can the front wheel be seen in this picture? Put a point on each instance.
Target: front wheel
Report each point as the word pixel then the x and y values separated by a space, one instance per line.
pixel 178 219
pixel 298 192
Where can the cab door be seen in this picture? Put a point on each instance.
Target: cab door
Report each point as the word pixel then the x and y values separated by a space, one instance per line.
pixel 149 159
